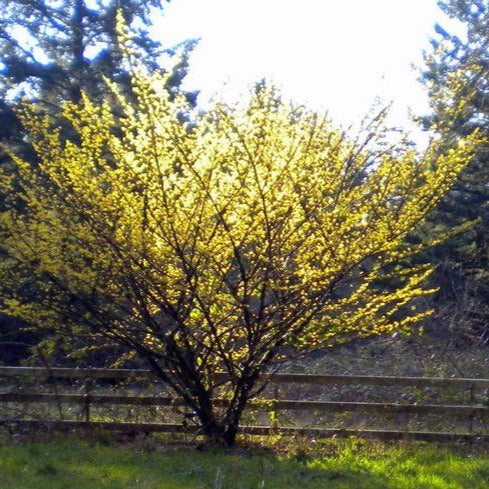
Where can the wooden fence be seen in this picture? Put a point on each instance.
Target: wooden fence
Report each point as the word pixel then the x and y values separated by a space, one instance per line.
pixel 88 399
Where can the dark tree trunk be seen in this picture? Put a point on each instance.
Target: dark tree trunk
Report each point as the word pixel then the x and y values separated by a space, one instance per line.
pixel 217 430
pixel 218 424
pixel 223 430
pixel 78 48
pixel 218 434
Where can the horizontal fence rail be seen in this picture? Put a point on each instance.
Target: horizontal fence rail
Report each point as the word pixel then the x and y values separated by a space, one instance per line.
pixel 469 412
pixel 145 428
pixel 328 406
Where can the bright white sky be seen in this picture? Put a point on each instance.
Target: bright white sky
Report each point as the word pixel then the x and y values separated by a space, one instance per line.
pixel 331 54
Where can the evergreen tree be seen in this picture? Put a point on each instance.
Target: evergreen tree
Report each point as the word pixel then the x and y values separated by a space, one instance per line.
pixel 52 50
pixel 456 75
pixel 58 48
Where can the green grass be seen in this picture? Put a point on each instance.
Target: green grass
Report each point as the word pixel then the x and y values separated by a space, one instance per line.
pixel 72 464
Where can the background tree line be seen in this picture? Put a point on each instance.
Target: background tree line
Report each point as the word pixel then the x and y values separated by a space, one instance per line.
pixel 456 72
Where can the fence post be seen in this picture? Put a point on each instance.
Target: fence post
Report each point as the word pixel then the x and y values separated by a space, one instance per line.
pixel 86 399
pixel 472 401
pixel 276 392
pixel 406 419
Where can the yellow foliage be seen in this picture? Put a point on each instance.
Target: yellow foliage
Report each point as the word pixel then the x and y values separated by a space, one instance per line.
pixel 225 235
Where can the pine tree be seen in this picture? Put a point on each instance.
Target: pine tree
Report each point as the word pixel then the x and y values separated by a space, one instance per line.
pixel 53 50
pixel 456 75
pixel 59 48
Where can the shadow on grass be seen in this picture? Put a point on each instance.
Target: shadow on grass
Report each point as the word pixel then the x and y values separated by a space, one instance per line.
pixel 69 464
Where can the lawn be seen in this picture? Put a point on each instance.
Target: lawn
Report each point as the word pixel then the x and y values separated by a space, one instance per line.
pixel 73 464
